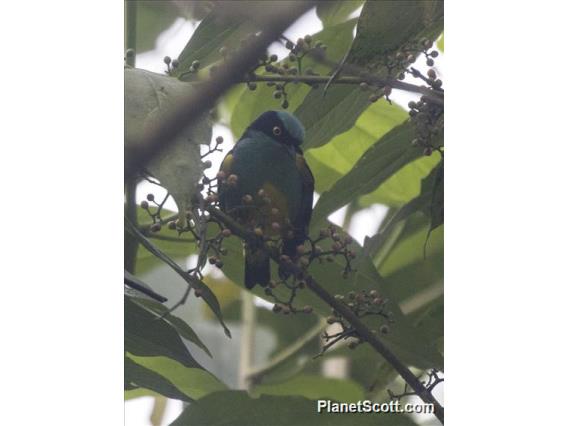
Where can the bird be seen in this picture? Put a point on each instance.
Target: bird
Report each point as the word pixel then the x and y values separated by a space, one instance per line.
pixel 269 186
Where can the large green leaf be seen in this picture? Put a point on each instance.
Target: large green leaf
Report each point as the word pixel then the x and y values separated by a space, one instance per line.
pixel 379 162
pixel 142 377
pixel 195 383
pixel 430 201
pixel 215 31
pixel 386 26
pixel 206 293
pixel 236 408
pixel 315 387
pixel 180 325
pixel 336 158
pixel 332 113
pixel 147 335
pixel 404 185
pixel 336 11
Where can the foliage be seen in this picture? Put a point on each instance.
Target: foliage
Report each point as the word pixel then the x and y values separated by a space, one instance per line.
pixel 363 150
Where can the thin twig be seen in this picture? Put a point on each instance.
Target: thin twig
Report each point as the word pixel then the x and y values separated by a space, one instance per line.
pixel 256 375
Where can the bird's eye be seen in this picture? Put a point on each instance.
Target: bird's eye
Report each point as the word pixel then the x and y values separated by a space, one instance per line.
pixel 277 130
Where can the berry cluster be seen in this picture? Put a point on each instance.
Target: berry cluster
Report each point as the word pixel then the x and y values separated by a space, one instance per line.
pixel 363 303
pixel 428 120
pixel 291 65
pixel 154 210
pixel 407 56
pixel 171 64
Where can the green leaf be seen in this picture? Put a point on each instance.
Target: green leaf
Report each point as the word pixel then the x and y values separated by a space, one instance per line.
pixel 314 387
pixel 325 116
pixel 378 163
pixel 180 325
pixel 207 295
pixel 333 160
pixel 152 18
pixel 385 26
pixel 414 242
pixel 215 31
pixel 236 408
pixel 141 377
pixel 138 287
pixel 195 383
pixel 146 335
pixel 336 12
pixel 430 201
pixel 404 185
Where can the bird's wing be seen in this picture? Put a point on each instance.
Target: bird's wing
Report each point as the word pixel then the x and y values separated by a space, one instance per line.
pixel 226 167
pixel 303 220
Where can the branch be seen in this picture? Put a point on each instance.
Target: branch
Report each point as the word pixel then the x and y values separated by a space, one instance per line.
pixel 130 245
pixel 433 95
pixel 204 97
pixel 363 331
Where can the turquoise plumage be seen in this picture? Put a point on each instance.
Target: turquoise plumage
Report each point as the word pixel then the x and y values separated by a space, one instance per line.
pixel 268 158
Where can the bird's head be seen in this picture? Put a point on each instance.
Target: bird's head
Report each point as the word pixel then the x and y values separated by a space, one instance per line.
pixel 280 126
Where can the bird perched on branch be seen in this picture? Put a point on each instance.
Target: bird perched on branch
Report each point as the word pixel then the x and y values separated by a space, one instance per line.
pixel 268 186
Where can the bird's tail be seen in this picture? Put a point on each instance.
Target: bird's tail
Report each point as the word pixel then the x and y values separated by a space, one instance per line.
pixel 257 268
pixel 289 248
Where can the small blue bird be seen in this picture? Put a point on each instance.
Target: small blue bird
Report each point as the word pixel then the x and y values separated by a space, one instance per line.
pixel 271 189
